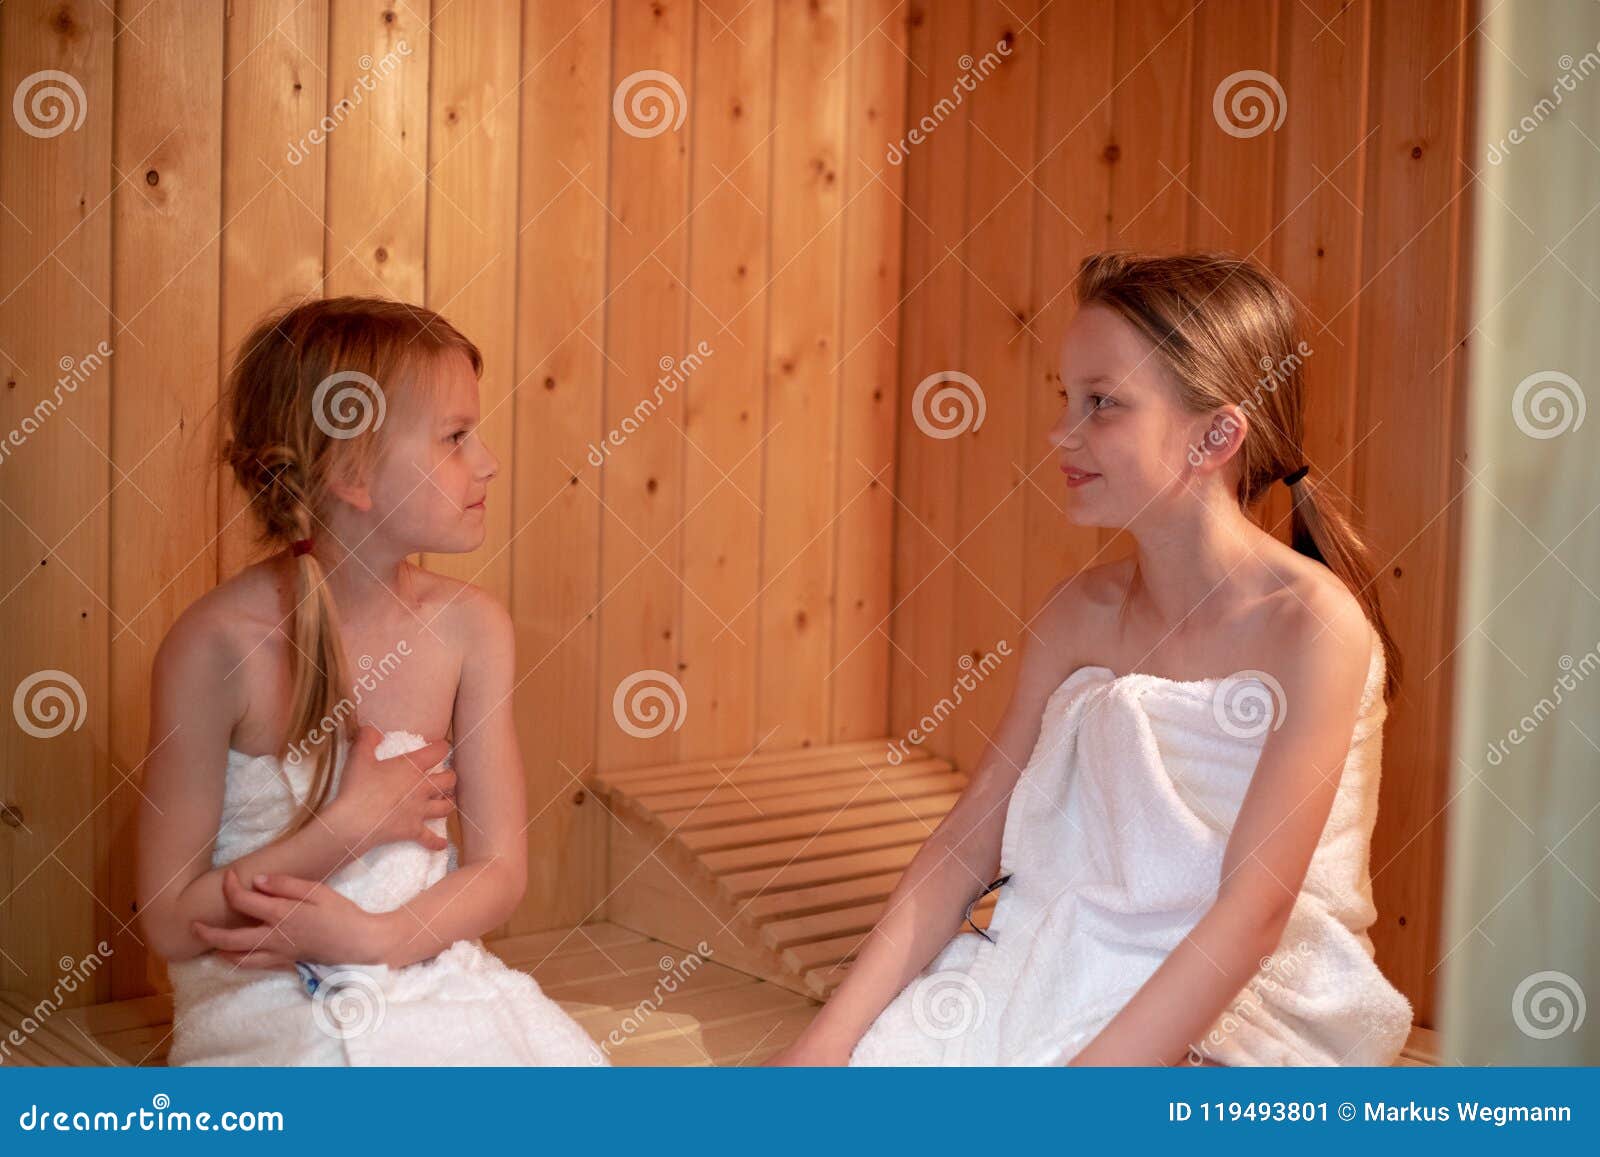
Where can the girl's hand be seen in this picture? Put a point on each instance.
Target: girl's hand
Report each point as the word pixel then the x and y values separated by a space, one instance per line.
pixel 384 800
pixel 298 920
pixel 812 1052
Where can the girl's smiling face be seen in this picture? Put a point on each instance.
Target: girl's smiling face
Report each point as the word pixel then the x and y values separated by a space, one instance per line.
pixel 429 486
pixel 1123 439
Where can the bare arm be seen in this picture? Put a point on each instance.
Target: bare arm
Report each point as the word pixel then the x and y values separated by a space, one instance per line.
pixel 491 798
pixel 1274 836
pixel 196 700
pixel 952 867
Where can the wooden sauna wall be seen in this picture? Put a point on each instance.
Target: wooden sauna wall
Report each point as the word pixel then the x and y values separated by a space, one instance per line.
pixel 1098 131
pixel 740 541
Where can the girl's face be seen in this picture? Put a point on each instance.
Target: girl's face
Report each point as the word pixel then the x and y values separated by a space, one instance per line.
pixel 1123 439
pixel 431 480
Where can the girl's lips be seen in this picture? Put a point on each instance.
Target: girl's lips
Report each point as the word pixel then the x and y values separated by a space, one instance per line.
pixel 1077 477
pixel 478 505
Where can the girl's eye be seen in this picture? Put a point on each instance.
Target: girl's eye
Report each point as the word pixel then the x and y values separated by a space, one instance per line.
pixel 1102 401
pixel 458 436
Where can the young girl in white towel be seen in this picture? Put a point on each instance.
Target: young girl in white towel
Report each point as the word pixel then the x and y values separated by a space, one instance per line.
pixel 1179 798
pixel 294 864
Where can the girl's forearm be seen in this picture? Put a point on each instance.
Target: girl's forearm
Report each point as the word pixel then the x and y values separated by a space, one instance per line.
pixel 314 852
pixel 463 906
pixel 1182 1000
pixel 923 913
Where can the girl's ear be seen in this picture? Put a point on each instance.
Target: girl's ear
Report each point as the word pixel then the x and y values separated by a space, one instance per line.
pixel 1220 439
pixel 350 489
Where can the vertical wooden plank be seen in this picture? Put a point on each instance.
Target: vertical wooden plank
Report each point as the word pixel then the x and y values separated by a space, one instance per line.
pixel 56 356
pixel 377 155
pixel 472 230
pixel 1073 193
pixel 858 670
pixel 167 218
pixel 555 549
pixel 1316 244
pixel 799 539
pixel 641 487
pixel 932 341
pixel 1406 474
pixel 724 405
pixel 274 178
pixel 1000 341
pixel 1151 118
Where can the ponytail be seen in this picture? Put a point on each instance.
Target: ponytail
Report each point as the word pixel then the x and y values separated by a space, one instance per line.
pixel 1319 530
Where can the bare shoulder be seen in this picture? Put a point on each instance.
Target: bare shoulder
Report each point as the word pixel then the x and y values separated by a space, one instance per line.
pixel 1318 630
pixel 1081 605
pixel 216 634
pixel 470 616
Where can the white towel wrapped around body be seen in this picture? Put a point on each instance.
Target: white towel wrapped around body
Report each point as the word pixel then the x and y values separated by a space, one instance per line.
pixel 462 1007
pixel 1114 841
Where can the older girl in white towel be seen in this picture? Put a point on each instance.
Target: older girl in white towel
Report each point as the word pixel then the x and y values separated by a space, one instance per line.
pixel 294 867
pixel 1180 795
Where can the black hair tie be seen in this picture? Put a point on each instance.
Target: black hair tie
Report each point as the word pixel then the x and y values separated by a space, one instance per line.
pixel 1290 479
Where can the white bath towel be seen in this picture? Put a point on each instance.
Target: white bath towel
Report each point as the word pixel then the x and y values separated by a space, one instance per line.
pixel 463 1007
pixel 1114 841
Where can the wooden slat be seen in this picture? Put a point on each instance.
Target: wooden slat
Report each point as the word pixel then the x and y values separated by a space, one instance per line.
pixel 800 875
pixel 815 801
pixel 843 753
pixel 53 1038
pixel 647 791
pixel 820 897
pixel 913 832
pixel 933 807
pixel 822 925
pixel 529 950
pixel 716 794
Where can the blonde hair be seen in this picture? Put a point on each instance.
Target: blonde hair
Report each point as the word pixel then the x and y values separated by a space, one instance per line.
pixel 302 373
pixel 1223 326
